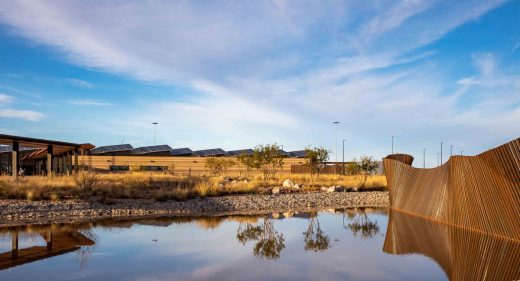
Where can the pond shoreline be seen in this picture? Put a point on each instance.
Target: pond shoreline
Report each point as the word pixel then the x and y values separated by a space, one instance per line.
pixel 19 212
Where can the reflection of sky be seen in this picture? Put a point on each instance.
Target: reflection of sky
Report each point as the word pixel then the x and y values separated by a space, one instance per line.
pixel 189 252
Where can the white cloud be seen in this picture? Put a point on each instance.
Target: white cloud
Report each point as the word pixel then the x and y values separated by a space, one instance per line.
pixel 88 102
pixel 5 99
pixel 80 83
pixel 28 115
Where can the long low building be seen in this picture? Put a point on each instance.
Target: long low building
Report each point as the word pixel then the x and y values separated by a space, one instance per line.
pixel 32 156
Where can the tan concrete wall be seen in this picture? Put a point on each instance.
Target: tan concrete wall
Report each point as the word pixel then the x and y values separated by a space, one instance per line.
pixel 179 165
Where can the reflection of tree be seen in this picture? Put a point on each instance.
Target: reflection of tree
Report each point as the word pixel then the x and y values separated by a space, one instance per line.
pixel 315 239
pixel 269 242
pixel 360 224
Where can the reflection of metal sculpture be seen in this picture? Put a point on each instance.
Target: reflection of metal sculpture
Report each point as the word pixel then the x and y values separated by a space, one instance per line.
pixel 463 254
pixel 480 193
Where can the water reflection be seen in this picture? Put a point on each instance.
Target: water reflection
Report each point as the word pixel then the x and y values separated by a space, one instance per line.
pixel 58 240
pixel 358 222
pixel 463 254
pixel 332 244
pixel 315 239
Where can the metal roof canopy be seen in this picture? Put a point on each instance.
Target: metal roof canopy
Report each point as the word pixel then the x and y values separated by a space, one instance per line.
pixel 57 146
pixel 151 149
pixel 181 151
pixel 240 152
pixel 210 152
pixel 298 153
pixel 111 148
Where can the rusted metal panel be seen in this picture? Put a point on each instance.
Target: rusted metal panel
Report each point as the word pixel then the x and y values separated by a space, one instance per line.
pixel 476 192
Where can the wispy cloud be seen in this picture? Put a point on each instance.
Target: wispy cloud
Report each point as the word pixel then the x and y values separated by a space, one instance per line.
pixel 28 115
pixel 80 83
pixel 5 99
pixel 88 102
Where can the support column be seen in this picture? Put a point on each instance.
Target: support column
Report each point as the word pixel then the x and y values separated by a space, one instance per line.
pixel 14 164
pixel 48 239
pixel 54 164
pixel 49 160
pixel 69 163
pixel 63 166
pixel 14 245
pixel 76 161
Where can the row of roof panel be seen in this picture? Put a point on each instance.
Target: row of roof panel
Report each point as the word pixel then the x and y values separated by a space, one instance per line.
pixel 167 150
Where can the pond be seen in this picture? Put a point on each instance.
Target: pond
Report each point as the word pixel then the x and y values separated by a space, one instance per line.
pixel 352 244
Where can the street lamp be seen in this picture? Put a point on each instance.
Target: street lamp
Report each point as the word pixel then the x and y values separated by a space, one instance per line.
pixel 437 159
pixel 424 157
pixel 343 162
pixel 461 152
pixel 154 131
pixel 451 150
pixel 393 144
pixel 336 153
pixel 441 152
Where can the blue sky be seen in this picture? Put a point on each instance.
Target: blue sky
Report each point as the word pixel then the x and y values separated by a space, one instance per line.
pixel 234 74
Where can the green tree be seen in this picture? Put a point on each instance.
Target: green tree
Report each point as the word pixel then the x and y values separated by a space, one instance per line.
pixel 265 158
pixel 367 166
pixel 218 166
pixel 316 158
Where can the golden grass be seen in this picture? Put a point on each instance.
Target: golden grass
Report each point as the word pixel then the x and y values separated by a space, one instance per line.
pixel 163 186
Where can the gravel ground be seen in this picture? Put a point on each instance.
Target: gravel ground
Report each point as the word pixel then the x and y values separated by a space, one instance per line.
pixel 16 212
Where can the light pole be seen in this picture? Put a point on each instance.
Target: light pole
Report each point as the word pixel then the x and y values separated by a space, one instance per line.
pixel 336 153
pixel 441 152
pixel 393 144
pixel 154 131
pixel 343 160
pixel 451 150
pixel 461 152
pixel 437 159
pixel 424 157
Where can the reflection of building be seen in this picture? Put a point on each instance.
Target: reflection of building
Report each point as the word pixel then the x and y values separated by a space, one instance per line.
pixel 463 254
pixel 57 243
pixel 480 192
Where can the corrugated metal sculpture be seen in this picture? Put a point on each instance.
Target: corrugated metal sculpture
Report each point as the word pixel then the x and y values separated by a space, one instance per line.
pixel 462 254
pixel 480 193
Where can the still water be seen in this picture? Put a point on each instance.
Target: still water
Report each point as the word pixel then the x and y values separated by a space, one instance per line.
pixel 352 244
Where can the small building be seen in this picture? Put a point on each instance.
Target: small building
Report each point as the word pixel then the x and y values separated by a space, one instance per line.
pixel 297 154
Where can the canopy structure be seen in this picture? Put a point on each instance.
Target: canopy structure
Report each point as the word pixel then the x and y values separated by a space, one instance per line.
pixel 56 155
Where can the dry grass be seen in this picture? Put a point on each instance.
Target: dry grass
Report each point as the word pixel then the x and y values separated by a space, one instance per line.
pixel 161 186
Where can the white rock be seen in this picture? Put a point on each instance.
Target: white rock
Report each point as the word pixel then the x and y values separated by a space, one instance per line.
pixel 288 214
pixel 275 190
pixel 331 189
pixel 323 188
pixel 296 186
pixel 288 183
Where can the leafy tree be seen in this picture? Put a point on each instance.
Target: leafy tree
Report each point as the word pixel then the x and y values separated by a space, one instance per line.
pixel 218 166
pixel 265 158
pixel 352 168
pixel 315 159
pixel 367 166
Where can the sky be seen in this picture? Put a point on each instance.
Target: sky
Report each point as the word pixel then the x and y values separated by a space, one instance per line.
pixel 235 74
